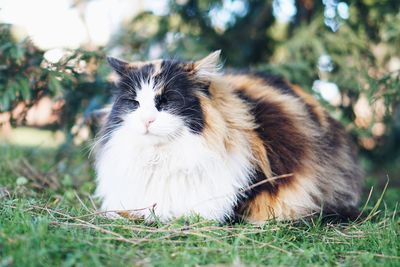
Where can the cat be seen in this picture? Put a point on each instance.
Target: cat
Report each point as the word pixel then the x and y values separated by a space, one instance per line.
pixel 185 138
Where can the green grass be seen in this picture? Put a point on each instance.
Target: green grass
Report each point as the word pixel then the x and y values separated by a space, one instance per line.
pixel 47 218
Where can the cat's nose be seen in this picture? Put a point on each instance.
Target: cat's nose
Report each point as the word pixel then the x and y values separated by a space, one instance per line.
pixel 149 121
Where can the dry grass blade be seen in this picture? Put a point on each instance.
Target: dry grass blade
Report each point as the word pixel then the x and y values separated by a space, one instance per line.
pixel 40 180
pixel 122 213
pixel 264 244
pixel 81 202
pixel 88 224
pixel 366 204
pixel 248 188
pixel 268 180
pixel 375 210
pixel 4 192
pixel 374 254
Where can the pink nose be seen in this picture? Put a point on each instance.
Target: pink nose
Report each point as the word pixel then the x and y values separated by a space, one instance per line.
pixel 149 121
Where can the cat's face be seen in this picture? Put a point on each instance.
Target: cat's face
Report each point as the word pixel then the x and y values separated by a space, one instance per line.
pixel 158 101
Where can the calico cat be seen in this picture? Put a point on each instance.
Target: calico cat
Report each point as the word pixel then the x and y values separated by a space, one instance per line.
pixel 183 138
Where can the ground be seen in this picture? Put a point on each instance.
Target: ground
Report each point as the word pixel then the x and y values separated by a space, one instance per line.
pixel 48 218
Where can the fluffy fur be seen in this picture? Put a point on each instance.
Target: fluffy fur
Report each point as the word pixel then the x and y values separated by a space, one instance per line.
pixel 182 138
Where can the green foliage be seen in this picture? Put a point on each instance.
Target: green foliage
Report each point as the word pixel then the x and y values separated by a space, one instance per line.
pixel 187 31
pixel 15 60
pixel 78 80
pixel 358 72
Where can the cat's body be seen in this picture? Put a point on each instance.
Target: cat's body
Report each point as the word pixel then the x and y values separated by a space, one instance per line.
pixel 184 139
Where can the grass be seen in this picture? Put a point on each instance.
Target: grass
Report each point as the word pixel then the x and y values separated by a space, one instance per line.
pixel 47 218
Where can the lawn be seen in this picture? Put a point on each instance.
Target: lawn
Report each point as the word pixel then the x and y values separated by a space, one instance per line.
pixel 48 218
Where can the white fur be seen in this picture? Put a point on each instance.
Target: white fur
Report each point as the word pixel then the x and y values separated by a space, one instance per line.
pixel 167 166
pixel 210 65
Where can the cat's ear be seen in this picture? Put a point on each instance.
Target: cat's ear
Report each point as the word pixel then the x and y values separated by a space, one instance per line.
pixel 119 66
pixel 123 67
pixel 210 65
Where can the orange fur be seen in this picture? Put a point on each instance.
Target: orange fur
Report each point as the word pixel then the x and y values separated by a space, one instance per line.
pixel 291 197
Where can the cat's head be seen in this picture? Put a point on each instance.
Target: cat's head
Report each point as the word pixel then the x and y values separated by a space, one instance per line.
pixel 157 101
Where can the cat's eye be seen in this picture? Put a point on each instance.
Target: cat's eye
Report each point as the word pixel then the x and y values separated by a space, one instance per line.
pixel 161 101
pixel 131 102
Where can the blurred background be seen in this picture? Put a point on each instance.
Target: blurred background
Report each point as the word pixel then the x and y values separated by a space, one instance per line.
pixel 53 74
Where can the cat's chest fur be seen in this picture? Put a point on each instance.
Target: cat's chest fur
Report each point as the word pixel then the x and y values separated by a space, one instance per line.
pixel 183 177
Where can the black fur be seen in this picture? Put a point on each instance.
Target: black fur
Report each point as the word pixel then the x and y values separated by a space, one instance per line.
pixel 178 96
pixel 279 83
pixel 275 81
pixel 285 145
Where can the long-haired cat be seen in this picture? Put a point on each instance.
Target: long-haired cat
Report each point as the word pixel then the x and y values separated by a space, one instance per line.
pixel 183 138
